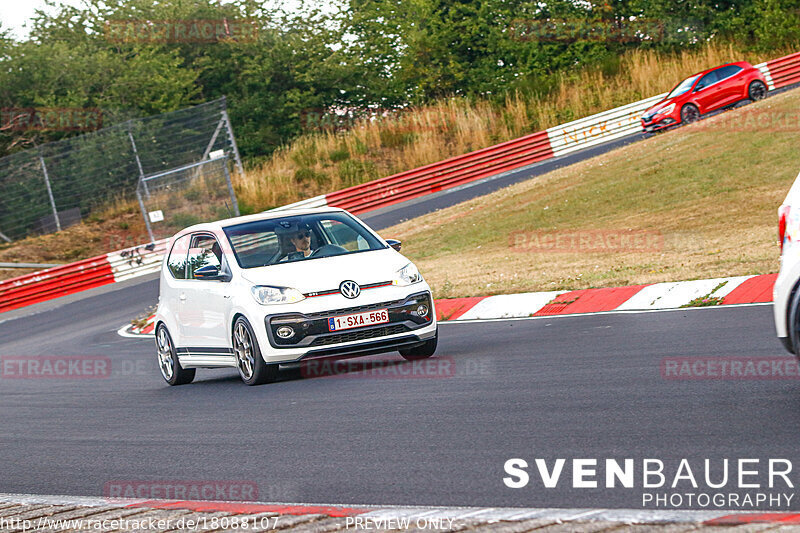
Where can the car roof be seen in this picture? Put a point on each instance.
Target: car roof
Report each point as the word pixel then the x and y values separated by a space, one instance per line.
pixel 266 215
pixel 743 64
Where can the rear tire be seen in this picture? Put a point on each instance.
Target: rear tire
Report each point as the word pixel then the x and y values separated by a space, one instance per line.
pixel 171 369
pixel 757 91
pixel 252 368
pixel 689 114
pixel 421 352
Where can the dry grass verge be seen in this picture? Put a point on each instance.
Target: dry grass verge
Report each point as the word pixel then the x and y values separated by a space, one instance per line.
pixel 708 193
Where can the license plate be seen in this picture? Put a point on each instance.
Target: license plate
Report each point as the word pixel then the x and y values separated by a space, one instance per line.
pixel 370 318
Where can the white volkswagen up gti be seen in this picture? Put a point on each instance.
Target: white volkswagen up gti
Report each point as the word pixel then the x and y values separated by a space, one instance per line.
pixel 785 293
pixel 281 287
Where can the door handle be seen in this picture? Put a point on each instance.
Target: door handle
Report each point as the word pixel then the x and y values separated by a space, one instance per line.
pixel 183 297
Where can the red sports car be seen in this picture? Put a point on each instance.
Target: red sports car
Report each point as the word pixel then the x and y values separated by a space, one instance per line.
pixel 709 90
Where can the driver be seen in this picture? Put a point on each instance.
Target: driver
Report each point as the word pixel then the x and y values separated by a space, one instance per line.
pixel 300 240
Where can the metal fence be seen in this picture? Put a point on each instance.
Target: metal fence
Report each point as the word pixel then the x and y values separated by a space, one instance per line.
pixel 175 199
pixel 57 184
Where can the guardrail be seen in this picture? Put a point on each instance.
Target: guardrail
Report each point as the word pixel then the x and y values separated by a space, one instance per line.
pixel 560 140
pixel 784 70
pixel 55 282
pixel 444 174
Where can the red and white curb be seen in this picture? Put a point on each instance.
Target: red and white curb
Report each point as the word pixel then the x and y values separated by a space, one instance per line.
pixel 655 297
pixel 33 506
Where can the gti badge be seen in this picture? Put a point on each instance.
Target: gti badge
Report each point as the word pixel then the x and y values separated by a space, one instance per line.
pixel 350 289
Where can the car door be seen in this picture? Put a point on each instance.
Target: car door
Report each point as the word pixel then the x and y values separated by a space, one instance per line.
pixel 176 287
pixel 731 81
pixel 208 302
pixel 707 92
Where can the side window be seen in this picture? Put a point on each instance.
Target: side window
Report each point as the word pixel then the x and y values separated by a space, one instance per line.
pixel 727 72
pixel 204 251
pixel 343 235
pixel 256 249
pixel 707 80
pixel 176 262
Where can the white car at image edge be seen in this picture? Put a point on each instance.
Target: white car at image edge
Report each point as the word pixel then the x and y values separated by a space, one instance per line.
pixel 786 291
pixel 282 287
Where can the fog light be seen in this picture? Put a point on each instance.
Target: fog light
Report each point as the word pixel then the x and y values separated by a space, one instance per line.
pixel 422 310
pixel 285 332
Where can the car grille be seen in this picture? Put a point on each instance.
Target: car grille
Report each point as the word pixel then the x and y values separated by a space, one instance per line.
pixel 353 336
pixel 351 310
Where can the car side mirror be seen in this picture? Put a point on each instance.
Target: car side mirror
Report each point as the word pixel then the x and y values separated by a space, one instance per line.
pixel 211 273
pixel 394 244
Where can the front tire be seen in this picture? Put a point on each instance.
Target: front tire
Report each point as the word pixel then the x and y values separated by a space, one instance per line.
pixel 794 322
pixel 252 368
pixel 421 352
pixel 171 369
pixel 757 91
pixel 689 114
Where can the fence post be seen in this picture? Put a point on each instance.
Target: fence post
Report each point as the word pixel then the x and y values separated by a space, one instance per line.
pixel 145 215
pixel 214 138
pixel 230 187
pixel 50 192
pixel 138 161
pixel 227 120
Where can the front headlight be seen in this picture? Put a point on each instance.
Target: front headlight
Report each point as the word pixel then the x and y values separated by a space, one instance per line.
pixel 266 295
pixel 407 275
pixel 666 110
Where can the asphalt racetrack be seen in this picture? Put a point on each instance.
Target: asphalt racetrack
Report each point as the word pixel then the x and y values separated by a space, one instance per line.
pixel 571 387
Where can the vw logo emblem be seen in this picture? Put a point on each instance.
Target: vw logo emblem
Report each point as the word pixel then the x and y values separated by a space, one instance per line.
pixel 350 289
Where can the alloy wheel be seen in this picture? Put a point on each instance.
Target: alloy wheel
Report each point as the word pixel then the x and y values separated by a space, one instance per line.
pixel 166 361
pixel 243 347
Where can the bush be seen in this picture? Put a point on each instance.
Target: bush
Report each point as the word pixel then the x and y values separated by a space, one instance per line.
pixel 355 172
pixel 305 174
pixel 340 154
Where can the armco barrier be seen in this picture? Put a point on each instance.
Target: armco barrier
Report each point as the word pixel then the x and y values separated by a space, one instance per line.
pixel 784 71
pixel 560 140
pixel 444 174
pixel 76 277
pixel 55 282
pixel 600 128
pixel 137 261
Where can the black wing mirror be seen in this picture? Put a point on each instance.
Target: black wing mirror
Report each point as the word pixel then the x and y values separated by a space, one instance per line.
pixel 211 273
pixel 394 244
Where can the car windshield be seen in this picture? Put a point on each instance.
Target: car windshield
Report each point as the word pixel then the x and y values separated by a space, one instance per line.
pixel 299 238
pixel 683 86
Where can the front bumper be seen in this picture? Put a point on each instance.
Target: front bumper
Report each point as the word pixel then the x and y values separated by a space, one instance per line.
pixel 406 328
pixel 658 122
